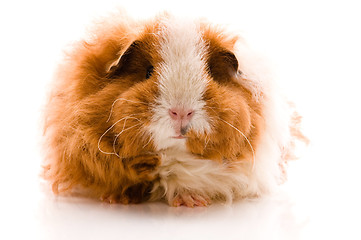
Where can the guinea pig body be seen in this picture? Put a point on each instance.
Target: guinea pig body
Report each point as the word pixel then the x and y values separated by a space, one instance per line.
pixel 164 109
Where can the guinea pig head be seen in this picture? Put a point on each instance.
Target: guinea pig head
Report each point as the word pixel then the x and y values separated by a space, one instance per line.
pixel 183 90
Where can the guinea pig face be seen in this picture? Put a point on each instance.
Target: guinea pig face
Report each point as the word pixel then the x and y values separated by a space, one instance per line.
pixel 183 91
pixel 182 81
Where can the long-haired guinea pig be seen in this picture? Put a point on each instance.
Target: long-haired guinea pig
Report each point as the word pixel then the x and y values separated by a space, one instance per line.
pixel 165 109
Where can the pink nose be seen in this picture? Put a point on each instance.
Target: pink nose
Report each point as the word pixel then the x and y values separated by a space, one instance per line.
pixel 181 117
pixel 178 114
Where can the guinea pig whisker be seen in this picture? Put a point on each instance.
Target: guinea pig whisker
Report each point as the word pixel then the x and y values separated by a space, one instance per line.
pixel 150 139
pixel 212 108
pixel 116 137
pixel 207 141
pixel 123 130
pixel 116 100
pixel 101 137
pixel 216 110
pixel 253 153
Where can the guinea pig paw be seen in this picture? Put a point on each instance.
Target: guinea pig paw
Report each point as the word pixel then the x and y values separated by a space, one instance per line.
pixel 113 199
pixel 145 164
pixel 190 200
pixel 108 198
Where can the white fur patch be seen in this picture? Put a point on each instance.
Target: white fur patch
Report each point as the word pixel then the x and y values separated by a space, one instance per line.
pixel 182 81
pixel 182 172
pixel 276 113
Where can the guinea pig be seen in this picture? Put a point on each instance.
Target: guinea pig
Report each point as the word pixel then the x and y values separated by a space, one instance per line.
pixel 166 109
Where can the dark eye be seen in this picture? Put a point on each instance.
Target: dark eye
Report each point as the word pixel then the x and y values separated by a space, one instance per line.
pixel 222 65
pixel 150 70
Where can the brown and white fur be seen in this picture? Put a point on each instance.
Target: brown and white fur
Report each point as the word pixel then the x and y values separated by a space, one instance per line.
pixel 165 109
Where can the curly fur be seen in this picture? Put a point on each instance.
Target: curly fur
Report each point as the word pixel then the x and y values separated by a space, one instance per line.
pixel 109 132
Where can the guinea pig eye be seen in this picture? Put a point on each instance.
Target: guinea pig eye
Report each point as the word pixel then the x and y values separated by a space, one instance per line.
pixel 150 71
pixel 222 65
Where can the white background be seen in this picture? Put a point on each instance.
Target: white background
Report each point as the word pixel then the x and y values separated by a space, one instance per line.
pixel 313 48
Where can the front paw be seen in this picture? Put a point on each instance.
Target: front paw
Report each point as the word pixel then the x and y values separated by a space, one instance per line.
pixel 190 200
pixel 142 167
pixel 135 193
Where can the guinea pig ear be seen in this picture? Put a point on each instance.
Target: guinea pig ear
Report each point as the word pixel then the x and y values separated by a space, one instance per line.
pixel 134 61
pixel 114 66
pixel 222 64
pixel 113 63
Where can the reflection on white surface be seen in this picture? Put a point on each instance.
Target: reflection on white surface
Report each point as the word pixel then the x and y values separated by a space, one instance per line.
pixel 71 218
pixel 315 48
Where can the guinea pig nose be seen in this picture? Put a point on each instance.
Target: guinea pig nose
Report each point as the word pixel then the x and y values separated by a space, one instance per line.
pixel 181 114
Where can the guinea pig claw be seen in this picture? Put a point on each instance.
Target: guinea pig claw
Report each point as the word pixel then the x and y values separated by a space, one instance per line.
pixel 106 198
pixel 202 201
pixel 177 203
pixel 190 200
pixel 114 199
pixel 109 199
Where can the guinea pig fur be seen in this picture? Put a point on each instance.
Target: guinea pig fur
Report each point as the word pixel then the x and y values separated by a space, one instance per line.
pixel 167 109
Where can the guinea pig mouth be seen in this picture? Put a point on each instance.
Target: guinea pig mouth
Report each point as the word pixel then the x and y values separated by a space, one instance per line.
pixel 179 137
